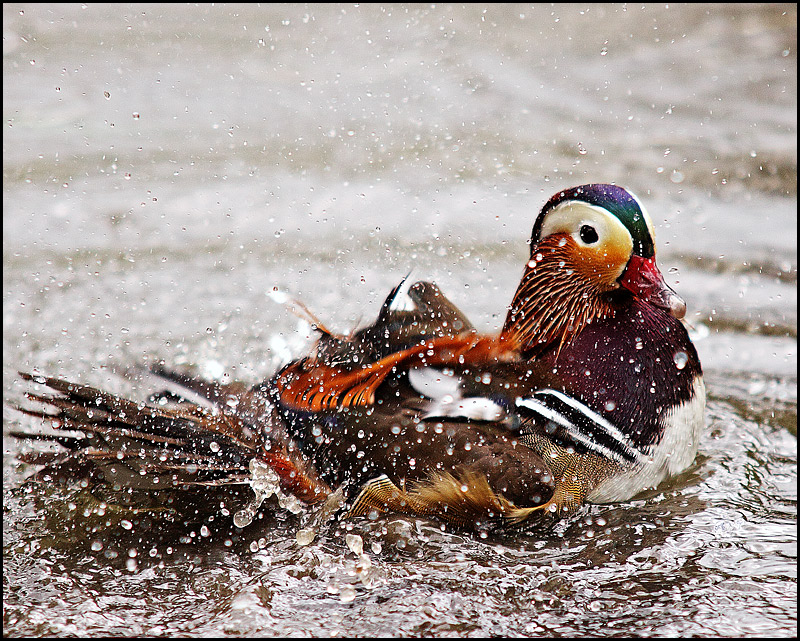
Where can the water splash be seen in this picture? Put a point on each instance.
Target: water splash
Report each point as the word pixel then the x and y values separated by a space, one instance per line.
pixel 354 575
pixel 335 500
pixel 265 483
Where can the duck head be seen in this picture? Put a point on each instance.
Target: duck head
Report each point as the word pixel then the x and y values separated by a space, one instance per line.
pixel 592 249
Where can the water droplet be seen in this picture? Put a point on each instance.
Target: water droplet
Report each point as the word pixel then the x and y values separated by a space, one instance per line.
pixel 305 536
pixel 680 359
pixel 347 594
pixel 355 543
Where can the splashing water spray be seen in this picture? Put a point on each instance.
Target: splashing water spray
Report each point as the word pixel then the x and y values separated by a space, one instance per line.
pixel 264 482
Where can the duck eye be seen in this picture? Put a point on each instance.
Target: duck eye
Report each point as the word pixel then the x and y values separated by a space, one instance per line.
pixel 589 235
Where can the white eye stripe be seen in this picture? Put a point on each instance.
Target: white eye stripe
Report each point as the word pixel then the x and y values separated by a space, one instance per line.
pixel 571 215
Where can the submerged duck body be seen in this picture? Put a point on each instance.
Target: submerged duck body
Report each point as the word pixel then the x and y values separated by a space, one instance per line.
pixel 592 392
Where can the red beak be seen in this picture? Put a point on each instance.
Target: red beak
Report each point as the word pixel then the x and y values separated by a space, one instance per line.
pixel 644 280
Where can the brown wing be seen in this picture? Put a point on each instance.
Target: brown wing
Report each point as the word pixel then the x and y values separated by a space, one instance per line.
pixel 427 314
pixel 464 472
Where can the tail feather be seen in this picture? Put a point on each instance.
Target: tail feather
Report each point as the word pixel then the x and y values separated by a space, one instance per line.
pixel 155 445
pixel 138 442
pixel 189 387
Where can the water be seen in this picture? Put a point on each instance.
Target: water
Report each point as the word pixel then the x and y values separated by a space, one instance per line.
pixel 165 167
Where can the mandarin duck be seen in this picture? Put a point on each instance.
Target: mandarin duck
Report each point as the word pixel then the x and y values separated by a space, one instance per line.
pixel 591 392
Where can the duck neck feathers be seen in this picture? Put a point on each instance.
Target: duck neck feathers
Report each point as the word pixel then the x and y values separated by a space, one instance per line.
pixel 556 299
